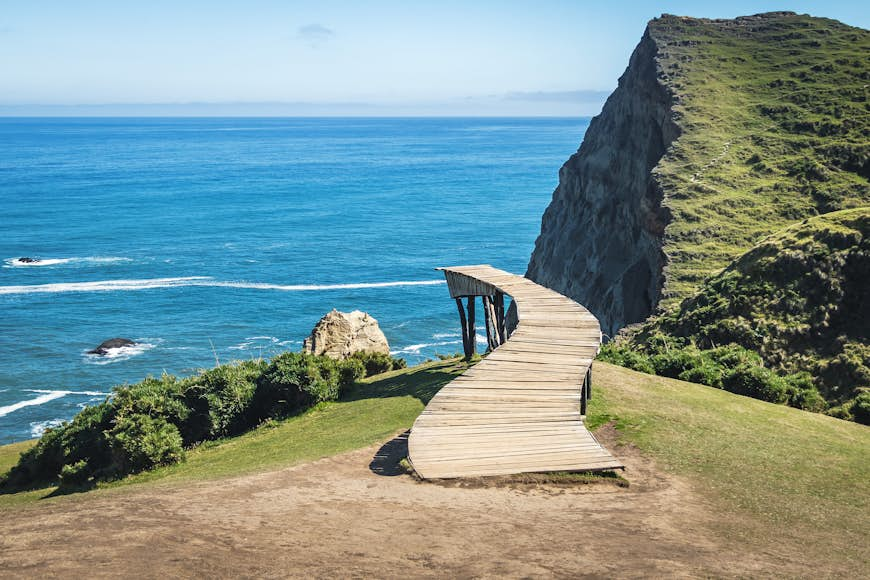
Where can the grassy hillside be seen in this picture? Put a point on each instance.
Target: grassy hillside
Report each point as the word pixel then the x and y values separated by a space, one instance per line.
pixel 776 129
pixel 800 299
pixel 795 482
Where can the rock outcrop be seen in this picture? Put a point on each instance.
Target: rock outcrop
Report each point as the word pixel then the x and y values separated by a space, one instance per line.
pixel 340 334
pixel 601 236
pixel 111 344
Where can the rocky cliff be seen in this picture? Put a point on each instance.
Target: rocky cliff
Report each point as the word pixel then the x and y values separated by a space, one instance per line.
pixel 720 132
pixel 601 236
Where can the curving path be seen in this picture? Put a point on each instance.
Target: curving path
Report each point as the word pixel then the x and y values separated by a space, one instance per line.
pixel 517 410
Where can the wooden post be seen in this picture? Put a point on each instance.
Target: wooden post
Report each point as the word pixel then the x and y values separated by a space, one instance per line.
pixel 499 317
pixel 488 321
pixel 588 382
pixel 586 391
pixel 465 348
pixel 472 333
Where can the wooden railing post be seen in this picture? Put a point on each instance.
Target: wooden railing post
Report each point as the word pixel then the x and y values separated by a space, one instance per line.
pixel 465 348
pixel 472 333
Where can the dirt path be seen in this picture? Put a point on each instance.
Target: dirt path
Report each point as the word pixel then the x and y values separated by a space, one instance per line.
pixel 347 517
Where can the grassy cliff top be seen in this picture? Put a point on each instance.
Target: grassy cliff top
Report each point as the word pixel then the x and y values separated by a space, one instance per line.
pixel 775 128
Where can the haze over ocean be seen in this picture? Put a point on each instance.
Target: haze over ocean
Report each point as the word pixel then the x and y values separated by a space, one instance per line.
pixel 230 238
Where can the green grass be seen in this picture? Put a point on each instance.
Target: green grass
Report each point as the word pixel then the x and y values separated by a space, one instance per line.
pixel 775 122
pixel 371 412
pixel 783 474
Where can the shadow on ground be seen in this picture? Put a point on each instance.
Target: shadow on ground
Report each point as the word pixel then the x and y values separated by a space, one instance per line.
pixel 387 461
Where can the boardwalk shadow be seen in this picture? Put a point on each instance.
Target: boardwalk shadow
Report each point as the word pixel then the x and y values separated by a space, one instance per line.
pixel 387 461
pixel 420 383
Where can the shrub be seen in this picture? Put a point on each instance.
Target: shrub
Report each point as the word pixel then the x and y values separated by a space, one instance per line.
pixel 141 442
pixel 676 362
pixel 350 371
pixel 157 397
pixel 733 355
pixel 861 408
pixel 75 475
pixel 376 362
pixel 705 373
pixel 757 382
pixel 218 400
pixel 623 354
pixel 803 394
pixel 292 382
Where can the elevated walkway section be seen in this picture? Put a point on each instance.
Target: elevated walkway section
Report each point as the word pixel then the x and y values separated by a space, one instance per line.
pixel 521 408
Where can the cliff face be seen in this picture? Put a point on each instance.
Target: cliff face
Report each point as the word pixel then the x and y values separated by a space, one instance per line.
pixel 601 236
pixel 720 133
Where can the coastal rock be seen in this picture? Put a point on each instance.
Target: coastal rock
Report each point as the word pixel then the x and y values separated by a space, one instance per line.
pixel 340 334
pixel 601 236
pixel 110 344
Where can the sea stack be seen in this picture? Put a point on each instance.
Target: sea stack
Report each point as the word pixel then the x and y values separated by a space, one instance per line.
pixel 340 334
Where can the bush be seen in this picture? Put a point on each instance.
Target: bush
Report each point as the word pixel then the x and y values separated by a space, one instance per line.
pixel 861 408
pixel 677 362
pixel 803 394
pixel 623 354
pixel 705 373
pixel 733 355
pixel 218 400
pixel 75 475
pixel 292 382
pixel 156 397
pixel 142 442
pixel 350 371
pixel 377 362
pixel 757 382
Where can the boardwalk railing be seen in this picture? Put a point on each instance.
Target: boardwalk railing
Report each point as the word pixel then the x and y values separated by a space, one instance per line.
pixel 519 409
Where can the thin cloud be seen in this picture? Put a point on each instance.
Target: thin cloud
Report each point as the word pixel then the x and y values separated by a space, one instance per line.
pixel 581 96
pixel 314 34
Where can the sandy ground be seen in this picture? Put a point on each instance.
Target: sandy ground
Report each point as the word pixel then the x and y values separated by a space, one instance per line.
pixel 354 515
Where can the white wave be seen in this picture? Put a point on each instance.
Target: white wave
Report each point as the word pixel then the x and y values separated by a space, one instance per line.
pixel 40 400
pixel 18 263
pixel 151 283
pixel 102 286
pixel 269 338
pixel 447 335
pixel 310 287
pixel 44 397
pixel 64 393
pixel 37 428
pixel 120 353
pixel 416 348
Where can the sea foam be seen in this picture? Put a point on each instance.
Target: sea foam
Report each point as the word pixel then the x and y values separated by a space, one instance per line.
pixel 18 263
pixel 153 283
pixel 44 397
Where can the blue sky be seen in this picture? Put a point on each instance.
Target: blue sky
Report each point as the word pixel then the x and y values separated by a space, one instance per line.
pixel 325 57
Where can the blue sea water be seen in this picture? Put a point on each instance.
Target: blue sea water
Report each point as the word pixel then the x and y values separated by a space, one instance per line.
pixel 205 239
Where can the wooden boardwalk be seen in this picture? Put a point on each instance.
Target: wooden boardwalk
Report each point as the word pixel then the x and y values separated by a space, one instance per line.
pixel 519 409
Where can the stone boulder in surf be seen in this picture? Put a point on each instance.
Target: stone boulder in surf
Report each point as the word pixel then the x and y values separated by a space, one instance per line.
pixel 340 334
pixel 111 344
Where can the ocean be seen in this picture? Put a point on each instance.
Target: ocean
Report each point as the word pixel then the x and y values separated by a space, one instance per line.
pixel 209 239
